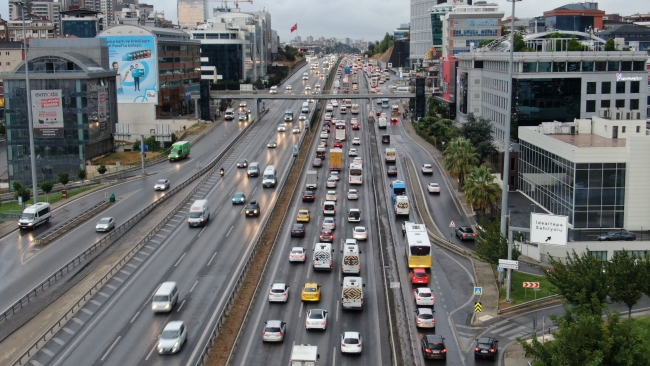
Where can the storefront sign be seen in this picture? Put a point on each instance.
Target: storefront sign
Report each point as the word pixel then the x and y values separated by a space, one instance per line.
pixel 47 113
pixel 620 77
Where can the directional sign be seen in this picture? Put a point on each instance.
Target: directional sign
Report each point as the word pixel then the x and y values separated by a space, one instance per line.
pixel 508 264
pixel 478 291
pixel 548 229
pixel 500 269
pixel 531 284
pixel 452 224
pixel 478 307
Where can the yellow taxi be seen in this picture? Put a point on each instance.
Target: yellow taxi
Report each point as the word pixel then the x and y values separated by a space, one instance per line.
pixel 303 216
pixel 311 292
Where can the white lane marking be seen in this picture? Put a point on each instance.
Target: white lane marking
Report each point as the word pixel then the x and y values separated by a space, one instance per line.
pixel 110 348
pixel 135 316
pixel 180 259
pixel 179 308
pixel 210 262
pixel 201 232
pixel 229 231
pixel 334 356
pixel 194 285
pixel 150 352
pixel 302 305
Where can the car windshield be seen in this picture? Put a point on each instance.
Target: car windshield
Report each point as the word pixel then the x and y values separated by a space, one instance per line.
pixel 310 289
pixel 160 298
pixel 170 334
pixel 272 329
pixel 426 316
pixel 359 229
pixel 104 221
pixel 27 216
pixel 195 214
pixel 424 293
pixel 162 181
pixel 316 316
pixel 297 251
pixel 420 274
pixel 351 341
pixel 239 195
pixel 277 290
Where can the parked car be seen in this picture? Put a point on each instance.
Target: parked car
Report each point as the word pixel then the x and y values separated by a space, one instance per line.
pixel 617 235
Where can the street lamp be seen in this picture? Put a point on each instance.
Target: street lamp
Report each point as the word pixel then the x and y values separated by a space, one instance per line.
pixel 24 5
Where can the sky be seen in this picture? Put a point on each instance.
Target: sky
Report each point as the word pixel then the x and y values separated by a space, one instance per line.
pixel 367 19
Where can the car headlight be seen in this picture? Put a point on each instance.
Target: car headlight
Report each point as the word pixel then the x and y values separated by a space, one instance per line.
pixel 176 345
pixel 255 211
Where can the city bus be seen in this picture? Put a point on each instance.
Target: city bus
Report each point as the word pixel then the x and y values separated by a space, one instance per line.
pixel 385 102
pixel 345 85
pixel 398 188
pixel 339 131
pixel 356 174
pixel 418 246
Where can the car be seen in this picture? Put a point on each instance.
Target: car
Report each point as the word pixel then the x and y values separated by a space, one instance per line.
pixel 308 196
pixel 318 162
pixel 279 292
pixel 311 292
pixel 356 141
pixel 243 104
pixel 329 223
pixel 335 103
pixel 329 107
pixel 379 112
pixel 331 183
pixel 378 101
pixel 327 118
pixel 338 143
pixel 486 347
pixel 322 142
pixel 351 342
pixel 392 170
pixel 465 233
pixel 433 347
pixel 105 224
pixel 419 276
pixel 357 160
pixel 326 129
pixel 238 198
pixel 324 134
pixel 316 319
pixel 335 174
pixel 352 152
pixel 424 318
pixel 287 88
pixel 360 233
pixel 172 337
pixel 356 127
pixel 282 127
pixel 308 90
pixel 427 169
pixel 433 188
pixel 242 163
pixel 326 236
pixel 297 254
pixel 302 117
pixel 394 119
pixel 271 144
pixel 423 297
pixel 303 215
pixel 331 196
pixel 295 129
pixel 252 209
pixel 617 235
pixel 298 230
pixel 317 85
pixel 274 331
pixel 161 185
pixel 353 194
pixel 305 77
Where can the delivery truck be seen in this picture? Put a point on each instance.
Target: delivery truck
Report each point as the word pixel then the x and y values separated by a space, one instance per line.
pixel 304 355
pixel 180 150
pixel 336 159
pixel 311 181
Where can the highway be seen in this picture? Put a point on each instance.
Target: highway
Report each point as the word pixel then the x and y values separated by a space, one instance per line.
pixel 117 327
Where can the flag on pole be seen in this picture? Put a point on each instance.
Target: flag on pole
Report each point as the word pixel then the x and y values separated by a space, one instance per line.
pixel 295 27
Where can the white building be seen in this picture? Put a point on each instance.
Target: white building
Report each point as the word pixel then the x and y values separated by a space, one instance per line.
pixel 35 26
pixel 48 9
pixel 467 25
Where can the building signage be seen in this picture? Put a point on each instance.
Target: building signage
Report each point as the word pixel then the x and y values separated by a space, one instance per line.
pixel 621 77
pixel 135 60
pixel 548 229
pixel 47 113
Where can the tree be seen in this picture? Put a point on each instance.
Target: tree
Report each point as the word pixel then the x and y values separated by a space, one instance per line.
pixel 610 45
pixel 478 130
pixel 101 169
pixel 480 190
pixel 25 193
pixel 490 244
pixel 441 129
pixel 575 45
pixel 460 157
pixel 625 273
pixel 47 188
pixel 17 185
pixel 578 278
pixel 64 178
pixel 81 174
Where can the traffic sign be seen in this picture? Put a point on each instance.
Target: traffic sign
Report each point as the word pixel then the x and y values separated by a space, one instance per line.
pixel 508 264
pixel 478 291
pixel 531 284
pixel 478 307
pixel 500 269
pixel 548 229
pixel 452 224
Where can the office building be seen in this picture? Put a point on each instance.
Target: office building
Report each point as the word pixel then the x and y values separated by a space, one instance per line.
pixel 80 23
pixel 42 9
pixel 420 28
pixel 628 36
pixel 78 122
pixel 579 17
pixel 36 26
pixel 401 31
pixel 192 12
pixel 467 25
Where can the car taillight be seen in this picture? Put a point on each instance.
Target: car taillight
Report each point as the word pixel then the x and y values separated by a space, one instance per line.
pixel 476 349
pixel 280 334
pixel 444 350
pixel 284 294
pixel 427 350
pixel 359 345
pixel 492 350
pixel 419 298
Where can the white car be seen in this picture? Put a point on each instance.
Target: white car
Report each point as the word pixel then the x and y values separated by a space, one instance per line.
pixel 356 141
pixel 354 121
pixel 316 319
pixel 352 152
pixel 335 103
pixel 302 117
pixel 282 127
pixel 308 90
pixel 351 342
pixel 427 169
pixel 172 337
pixel 335 174
pixel 161 185
pixel 433 188
pixel 331 183
pixel 353 194
pixel 360 233
pixel 324 134
pixel 296 129
pixel 329 223
pixel 327 117
pixel 274 331
pixel 331 196
pixel 279 292
pixel 305 77
pixel 424 318
pixel 329 107
pixel 423 296
pixel 105 224
pixel 287 89
pixel 317 86
pixel 357 160
pixel 297 254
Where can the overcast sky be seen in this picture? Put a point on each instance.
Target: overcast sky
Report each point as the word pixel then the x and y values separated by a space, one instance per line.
pixel 366 19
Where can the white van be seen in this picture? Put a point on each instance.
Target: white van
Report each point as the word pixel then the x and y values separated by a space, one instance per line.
pixel 273 90
pixel 305 108
pixel 402 206
pixel 351 261
pixel 403 90
pixel 229 115
pixel 165 297
pixel 329 208
pixel 269 178
pixel 322 258
pixel 199 213
pixel 35 215
pixel 352 293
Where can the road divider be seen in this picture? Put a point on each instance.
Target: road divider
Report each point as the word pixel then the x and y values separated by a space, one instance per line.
pixel 63 228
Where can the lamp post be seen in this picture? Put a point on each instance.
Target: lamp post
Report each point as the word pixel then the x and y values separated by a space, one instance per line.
pixel 506 152
pixel 28 90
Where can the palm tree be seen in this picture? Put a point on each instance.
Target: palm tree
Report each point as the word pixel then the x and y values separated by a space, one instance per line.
pixel 460 158
pixel 480 190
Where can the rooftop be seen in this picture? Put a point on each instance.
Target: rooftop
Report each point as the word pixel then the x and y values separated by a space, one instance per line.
pixel 589 140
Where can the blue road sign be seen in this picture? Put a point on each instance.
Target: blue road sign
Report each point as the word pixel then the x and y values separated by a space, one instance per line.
pixel 501 269
pixel 478 291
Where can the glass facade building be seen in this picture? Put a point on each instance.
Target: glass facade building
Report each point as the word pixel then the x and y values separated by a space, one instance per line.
pixel 87 28
pixel 543 100
pixel 570 23
pixel 227 58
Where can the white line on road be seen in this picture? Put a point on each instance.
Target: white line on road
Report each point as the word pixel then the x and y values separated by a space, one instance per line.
pixel 179 308
pixel 210 262
pixel 110 348
pixel 334 355
pixel 150 352
pixel 202 230
pixel 302 305
pixel 135 316
pixel 229 231
pixel 194 285
pixel 254 190
pixel 180 259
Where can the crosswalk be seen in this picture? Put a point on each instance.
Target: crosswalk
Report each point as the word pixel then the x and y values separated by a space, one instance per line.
pixel 507 329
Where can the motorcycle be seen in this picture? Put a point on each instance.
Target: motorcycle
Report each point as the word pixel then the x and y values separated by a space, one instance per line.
pixel 222 172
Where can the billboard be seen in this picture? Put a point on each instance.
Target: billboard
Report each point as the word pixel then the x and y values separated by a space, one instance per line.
pixel 47 113
pixel 548 229
pixel 135 60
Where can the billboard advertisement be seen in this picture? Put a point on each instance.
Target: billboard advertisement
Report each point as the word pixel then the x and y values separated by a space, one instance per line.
pixel 135 60
pixel 447 77
pixel 47 113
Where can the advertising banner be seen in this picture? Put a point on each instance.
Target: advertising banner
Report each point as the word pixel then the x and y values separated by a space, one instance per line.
pixel 135 60
pixel 47 112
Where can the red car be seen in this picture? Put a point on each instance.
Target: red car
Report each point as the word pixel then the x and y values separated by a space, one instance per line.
pixel 394 120
pixel 338 143
pixel 378 113
pixel 419 276
pixel 356 127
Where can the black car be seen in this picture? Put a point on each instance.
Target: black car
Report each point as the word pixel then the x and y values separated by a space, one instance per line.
pixel 326 236
pixel 433 347
pixel 298 230
pixel 242 163
pixel 617 235
pixel 392 170
pixel 252 209
pixel 308 196
pixel 486 348
pixel 465 233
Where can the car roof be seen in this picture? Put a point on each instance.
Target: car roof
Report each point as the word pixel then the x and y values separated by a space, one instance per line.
pixel 360 227
pixel 318 311
pixel 426 311
pixel 351 335
pixel 298 248
pixel 432 338
pixel 273 323
pixel 311 284
pixel 303 210
pixel 419 289
pixel 328 219
pixel 174 325
pixel 331 192
pixel 279 285
pixel 485 340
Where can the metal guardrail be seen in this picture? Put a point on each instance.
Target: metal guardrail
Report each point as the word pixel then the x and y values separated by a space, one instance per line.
pixel 527 304
pixel 51 234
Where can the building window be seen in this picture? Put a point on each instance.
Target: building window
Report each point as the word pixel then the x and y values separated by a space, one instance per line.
pixel 620 87
pixel 600 255
pixel 530 67
pixel 634 104
pixel 7 53
pixel 634 86
pixel 620 103
pixel 612 65
pixel 622 129
pixel 638 65
pixel 606 87
pixel 591 106
pixel 626 65
pixel 638 129
pixel 605 103
pixel 573 66
pixel 8 63
pixel 587 66
pixel 543 67
pixel 559 66
pixel 601 65
pixel 591 87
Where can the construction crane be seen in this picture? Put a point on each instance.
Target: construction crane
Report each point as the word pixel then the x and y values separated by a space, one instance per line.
pixel 225 3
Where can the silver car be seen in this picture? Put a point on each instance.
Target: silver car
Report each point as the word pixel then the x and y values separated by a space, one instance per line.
pixel 316 319
pixel 329 223
pixel 353 194
pixel 105 224
pixel 360 233
pixel 274 331
pixel 161 185
pixel 279 292
pixel 424 318
pixel 172 337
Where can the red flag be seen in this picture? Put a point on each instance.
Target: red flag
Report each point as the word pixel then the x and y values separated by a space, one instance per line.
pixel 295 27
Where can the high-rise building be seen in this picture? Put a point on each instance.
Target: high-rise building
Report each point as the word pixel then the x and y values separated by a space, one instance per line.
pixel 80 23
pixel 465 25
pixel 421 40
pixel 310 39
pixel 192 12
pixel 48 9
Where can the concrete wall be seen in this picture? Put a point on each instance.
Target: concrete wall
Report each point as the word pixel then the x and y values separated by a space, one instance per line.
pixel 637 178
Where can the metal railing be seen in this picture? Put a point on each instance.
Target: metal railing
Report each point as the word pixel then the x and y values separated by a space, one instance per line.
pixel 51 234
pixel 526 304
